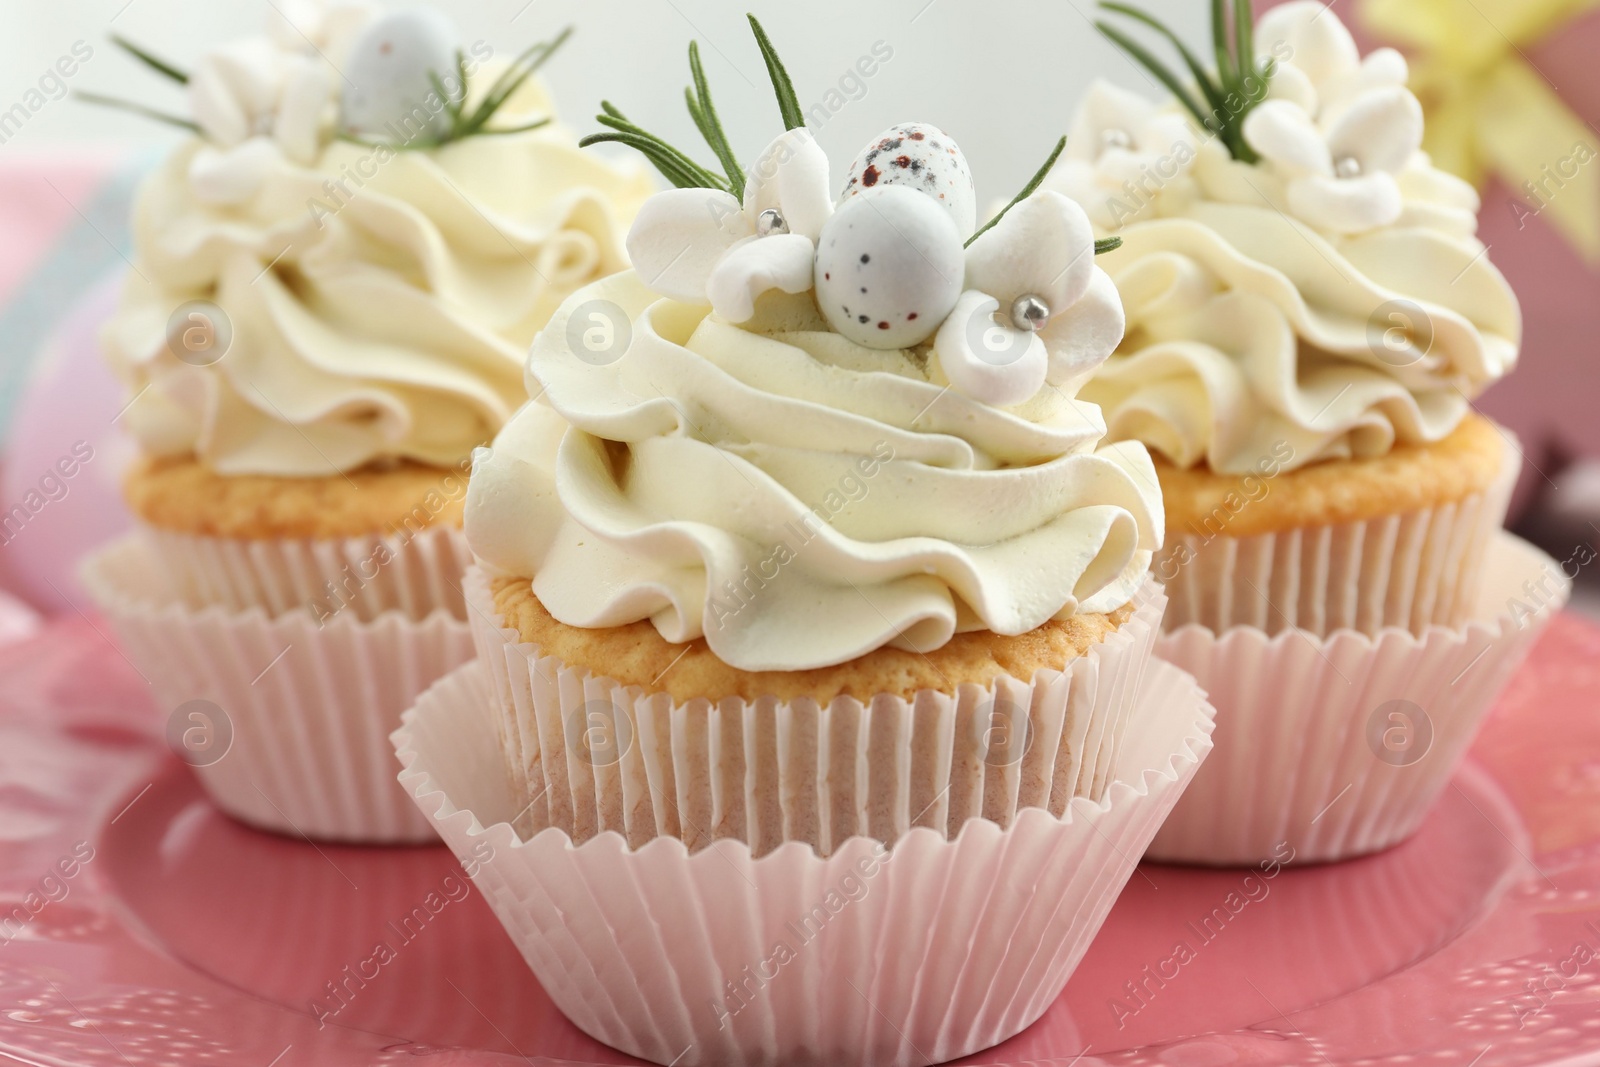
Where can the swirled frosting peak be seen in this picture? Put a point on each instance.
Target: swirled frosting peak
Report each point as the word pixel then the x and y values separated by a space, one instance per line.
pixel 1331 296
pixel 303 305
pixel 804 429
pixel 793 497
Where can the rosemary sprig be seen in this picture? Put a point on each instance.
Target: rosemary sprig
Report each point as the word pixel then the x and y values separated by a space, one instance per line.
pixel 506 86
pixel 1219 44
pixel 1228 96
pixel 710 125
pixel 675 164
pixel 137 109
pixel 1244 38
pixel 160 66
pixel 1216 97
pixel 788 103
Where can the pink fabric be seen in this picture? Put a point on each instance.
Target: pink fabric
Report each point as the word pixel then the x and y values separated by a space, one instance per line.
pixel 40 197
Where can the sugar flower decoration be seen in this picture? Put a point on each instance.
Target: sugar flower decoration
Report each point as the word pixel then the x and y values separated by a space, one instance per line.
pixel 280 98
pixel 1121 151
pixel 256 104
pixel 705 246
pixel 891 266
pixel 1292 96
pixel 1338 130
pixel 1036 307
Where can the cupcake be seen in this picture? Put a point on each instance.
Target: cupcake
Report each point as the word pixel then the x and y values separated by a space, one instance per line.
pixel 1309 319
pixel 826 504
pixel 336 279
pixel 806 563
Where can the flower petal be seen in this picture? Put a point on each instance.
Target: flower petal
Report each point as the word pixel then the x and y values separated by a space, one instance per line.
pixel 1044 247
pixel 1314 38
pixel 1084 336
pixel 758 265
pixel 1105 107
pixel 1285 134
pixel 234 88
pixel 1167 135
pixel 989 362
pixel 233 175
pixel 791 177
pixel 1346 205
pixel 305 102
pixel 1383 69
pixel 679 236
pixel 1382 128
pixel 1290 83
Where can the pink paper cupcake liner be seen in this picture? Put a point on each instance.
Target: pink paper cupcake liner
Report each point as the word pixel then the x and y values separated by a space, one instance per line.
pixel 285 721
pixel 364 577
pixel 1407 571
pixel 932 950
pixel 1338 746
pixel 591 755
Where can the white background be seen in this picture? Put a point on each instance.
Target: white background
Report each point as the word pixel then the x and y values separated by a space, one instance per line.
pixel 1000 76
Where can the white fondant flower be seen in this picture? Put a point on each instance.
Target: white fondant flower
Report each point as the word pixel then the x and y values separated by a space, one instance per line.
pixel 268 99
pixel 1336 128
pixel 1036 264
pixel 702 246
pixel 1122 151
pixel 257 105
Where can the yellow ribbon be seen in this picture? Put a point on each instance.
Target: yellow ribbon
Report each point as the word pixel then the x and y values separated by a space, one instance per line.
pixel 1490 112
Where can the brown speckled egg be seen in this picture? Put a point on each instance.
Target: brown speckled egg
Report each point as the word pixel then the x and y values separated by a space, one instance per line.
pixel 890 267
pixel 921 157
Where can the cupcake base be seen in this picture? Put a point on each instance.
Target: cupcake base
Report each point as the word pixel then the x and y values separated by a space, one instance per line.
pixel 930 951
pixel 1337 747
pixel 1362 545
pixel 383 538
pixel 588 754
pixel 289 719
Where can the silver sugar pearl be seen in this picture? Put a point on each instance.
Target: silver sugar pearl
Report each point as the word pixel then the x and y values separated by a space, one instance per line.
pixel 1030 313
pixel 769 222
pixel 1115 138
pixel 1347 167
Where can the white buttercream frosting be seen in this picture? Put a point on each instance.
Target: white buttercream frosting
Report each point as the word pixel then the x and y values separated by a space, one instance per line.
pixel 381 302
pixel 1333 296
pixel 796 499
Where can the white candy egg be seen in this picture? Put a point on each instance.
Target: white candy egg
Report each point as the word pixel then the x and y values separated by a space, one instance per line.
pixel 890 267
pixel 921 157
pixel 388 95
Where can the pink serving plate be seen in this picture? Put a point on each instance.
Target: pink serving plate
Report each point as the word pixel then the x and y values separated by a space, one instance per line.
pixel 182 938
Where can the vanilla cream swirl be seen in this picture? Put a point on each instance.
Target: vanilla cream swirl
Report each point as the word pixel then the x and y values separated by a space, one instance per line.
pixel 381 302
pixel 1247 327
pixel 795 499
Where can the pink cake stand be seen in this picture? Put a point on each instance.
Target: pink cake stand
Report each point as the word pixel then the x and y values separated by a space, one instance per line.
pixel 180 938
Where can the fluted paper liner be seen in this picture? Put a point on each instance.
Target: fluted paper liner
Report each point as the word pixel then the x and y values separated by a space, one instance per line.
pixel 309 708
pixel 929 951
pixel 414 574
pixel 1338 746
pixel 1406 571
pixel 590 755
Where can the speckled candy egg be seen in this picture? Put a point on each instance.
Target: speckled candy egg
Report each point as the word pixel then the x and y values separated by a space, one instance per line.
pixel 890 267
pixel 921 157
pixel 387 91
